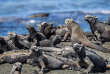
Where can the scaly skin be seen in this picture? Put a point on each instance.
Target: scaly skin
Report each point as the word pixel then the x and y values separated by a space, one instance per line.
pixel 46 61
pixel 16 56
pixel 16 43
pixel 90 59
pixel 46 29
pixel 50 42
pixel 99 29
pixel 63 32
pixel 77 35
pixel 49 31
pixel 34 36
pixel 4 45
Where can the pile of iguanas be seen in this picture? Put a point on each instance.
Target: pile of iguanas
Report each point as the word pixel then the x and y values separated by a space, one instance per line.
pixel 38 48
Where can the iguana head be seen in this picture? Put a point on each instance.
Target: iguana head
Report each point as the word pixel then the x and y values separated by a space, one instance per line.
pixel 48 30
pixel 76 47
pixel 14 37
pixel 41 26
pixel 68 21
pixel 30 28
pixel 79 50
pixel 91 19
pixel 36 52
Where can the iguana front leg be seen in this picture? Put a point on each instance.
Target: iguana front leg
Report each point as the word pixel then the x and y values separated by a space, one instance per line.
pixel 98 36
pixel 90 67
pixel 35 42
pixel 42 64
pixel 65 36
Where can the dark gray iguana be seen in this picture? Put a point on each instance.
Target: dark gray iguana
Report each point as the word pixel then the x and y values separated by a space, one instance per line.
pixel 46 29
pixel 45 61
pixel 33 56
pixel 77 35
pixel 4 46
pixel 16 43
pixel 16 56
pixel 90 59
pixel 50 42
pixel 66 52
pixel 99 29
pixel 39 38
pixel 34 36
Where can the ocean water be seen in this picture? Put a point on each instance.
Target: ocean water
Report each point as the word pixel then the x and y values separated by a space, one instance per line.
pixel 16 13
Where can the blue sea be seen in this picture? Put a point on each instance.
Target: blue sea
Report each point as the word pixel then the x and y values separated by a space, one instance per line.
pixel 16 12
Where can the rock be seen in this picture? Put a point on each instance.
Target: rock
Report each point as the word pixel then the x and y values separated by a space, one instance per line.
pixel 39 15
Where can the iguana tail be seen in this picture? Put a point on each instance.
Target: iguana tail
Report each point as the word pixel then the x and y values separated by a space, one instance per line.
pixel 94 46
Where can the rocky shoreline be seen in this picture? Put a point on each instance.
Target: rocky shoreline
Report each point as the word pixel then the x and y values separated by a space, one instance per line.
pixel 48 35
pixel 28 69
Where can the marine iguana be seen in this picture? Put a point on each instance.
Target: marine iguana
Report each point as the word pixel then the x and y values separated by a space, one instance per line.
pixel 21 37
pixel 41 27
pixel 67 52
pixel 50 42
pixel 99 29
pixel 90 59
pixel 77 35
pixel 49 31
pixel 46 29
pixel 4 46
pixel 45 61
pixel 63 32
pixel 16 43
pixel 16 69
pixel 34 36
pixel 16 56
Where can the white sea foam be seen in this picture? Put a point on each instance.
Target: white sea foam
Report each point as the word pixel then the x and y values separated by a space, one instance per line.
pixel 102 12
pixel 29 21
